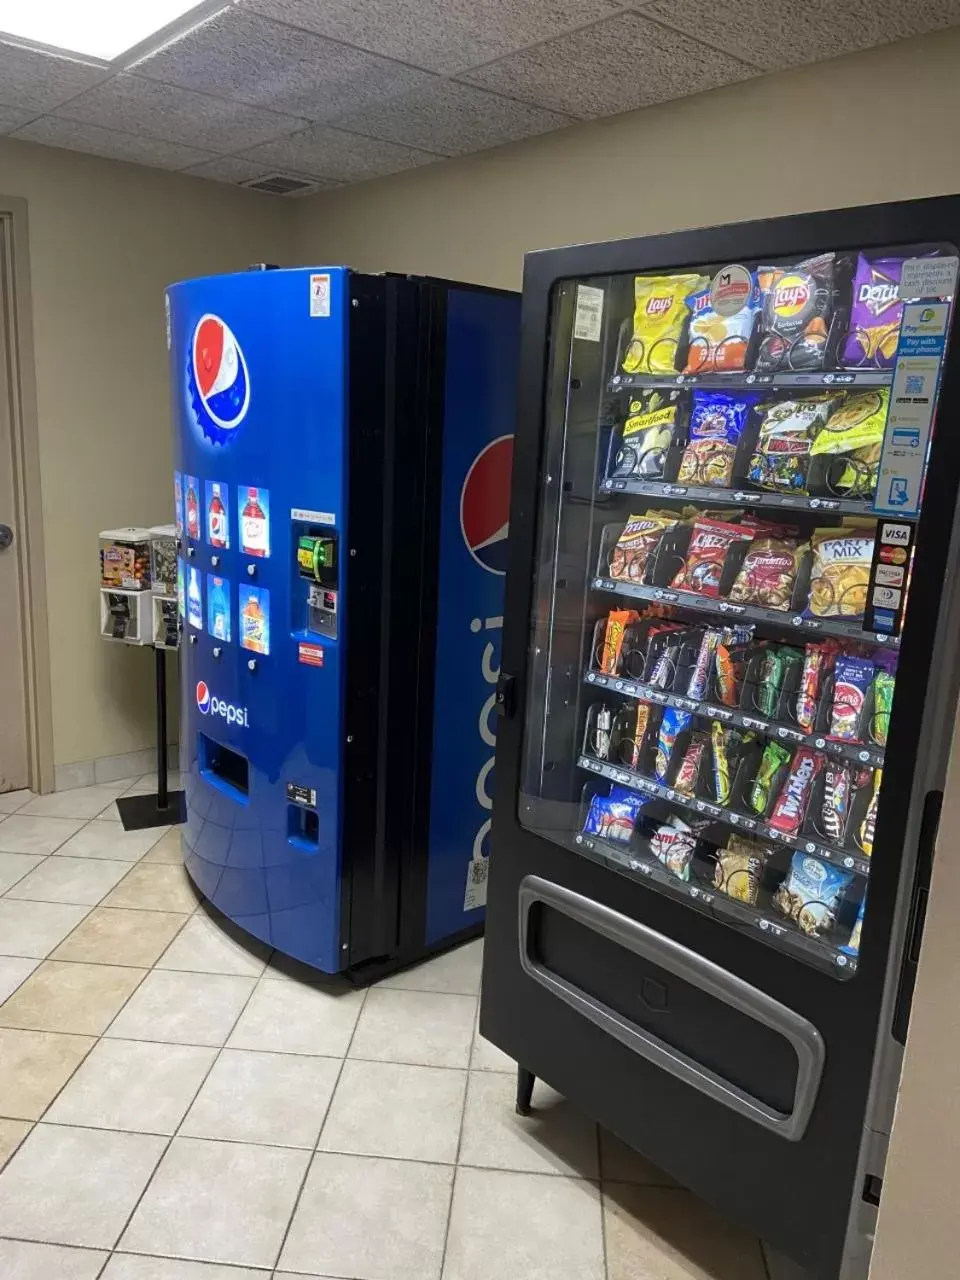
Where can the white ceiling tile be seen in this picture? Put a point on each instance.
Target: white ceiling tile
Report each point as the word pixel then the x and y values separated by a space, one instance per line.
pixel 243 56
pixel 177 115
pixel 114 144
pixel 343 157
pixel 441 35
pixel 39 82
pixel 239 169
pixel 10 119
pixel 451 119
pixel 616 65
pixel 785 33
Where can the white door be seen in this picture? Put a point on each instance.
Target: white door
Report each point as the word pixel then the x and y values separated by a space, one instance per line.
pixel 14 766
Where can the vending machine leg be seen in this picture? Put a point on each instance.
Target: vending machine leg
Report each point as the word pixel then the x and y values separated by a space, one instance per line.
pixel 166 807
pixel 525 1081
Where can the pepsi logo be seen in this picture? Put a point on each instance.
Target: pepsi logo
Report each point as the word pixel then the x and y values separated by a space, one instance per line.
pixel 485 505
pixel 218 378
pixel 203 696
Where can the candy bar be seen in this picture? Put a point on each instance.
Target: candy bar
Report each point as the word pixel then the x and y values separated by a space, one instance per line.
pixel 835 810
pixel 869 823
pixel 791 805
pixel 689 771
pixel 725 743
pixel 853 679
pixel 617 622
pixel 674 723
pixel 808 695
pixel 772 761
pixel 883 688
pixel 700 675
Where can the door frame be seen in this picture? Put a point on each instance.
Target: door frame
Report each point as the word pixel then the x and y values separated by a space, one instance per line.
pixel 17 355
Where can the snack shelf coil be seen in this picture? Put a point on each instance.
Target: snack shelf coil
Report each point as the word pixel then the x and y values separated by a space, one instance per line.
pixel 754 827
pixel 786 936
pixel 718 607
pixel 856 752
pixel 732 381
pixel 712 496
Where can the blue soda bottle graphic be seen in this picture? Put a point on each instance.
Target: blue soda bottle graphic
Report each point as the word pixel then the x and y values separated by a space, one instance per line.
pixel 218 608
pixel 194 599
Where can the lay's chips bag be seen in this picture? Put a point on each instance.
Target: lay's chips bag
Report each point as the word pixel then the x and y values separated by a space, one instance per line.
pixel 661 308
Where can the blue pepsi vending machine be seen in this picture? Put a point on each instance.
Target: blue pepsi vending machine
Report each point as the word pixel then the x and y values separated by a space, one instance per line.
pixel 343 455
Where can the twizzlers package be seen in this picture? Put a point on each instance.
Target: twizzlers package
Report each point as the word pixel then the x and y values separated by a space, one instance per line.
pixel 791 806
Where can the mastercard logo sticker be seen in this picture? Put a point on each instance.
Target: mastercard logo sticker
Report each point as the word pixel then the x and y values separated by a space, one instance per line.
pixel 893 555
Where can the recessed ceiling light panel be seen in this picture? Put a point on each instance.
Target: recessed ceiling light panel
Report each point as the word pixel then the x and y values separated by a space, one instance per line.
pixel 101 29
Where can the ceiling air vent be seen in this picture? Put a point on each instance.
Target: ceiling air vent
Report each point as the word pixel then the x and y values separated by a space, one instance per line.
pixel 279 184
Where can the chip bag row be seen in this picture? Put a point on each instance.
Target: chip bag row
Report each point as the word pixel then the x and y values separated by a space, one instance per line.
pixel 829 441
pixel 793 309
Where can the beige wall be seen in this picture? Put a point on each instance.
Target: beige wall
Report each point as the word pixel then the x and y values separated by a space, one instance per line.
pixel 872 127
pixel 105 238
pixel 917 1233
pixel 875 126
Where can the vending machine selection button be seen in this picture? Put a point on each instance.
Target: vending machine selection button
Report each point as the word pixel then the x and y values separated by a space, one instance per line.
pixel 251 570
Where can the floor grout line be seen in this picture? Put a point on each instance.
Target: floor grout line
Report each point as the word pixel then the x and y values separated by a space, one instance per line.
pixel 456 1160
pixel 266 975
pixel 323 1123
pixel 170 1140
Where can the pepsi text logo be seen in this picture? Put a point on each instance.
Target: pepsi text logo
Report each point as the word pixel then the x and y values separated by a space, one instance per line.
pixel 487 726
pixel 218 379
pixel 485 505
pixel 209 704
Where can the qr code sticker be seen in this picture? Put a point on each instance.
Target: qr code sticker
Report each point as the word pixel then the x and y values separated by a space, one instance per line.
pixel 476 890
pixel 914 384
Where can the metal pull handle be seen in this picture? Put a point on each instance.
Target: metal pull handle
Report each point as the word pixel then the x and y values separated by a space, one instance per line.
pixel 6 537
pixel 700 972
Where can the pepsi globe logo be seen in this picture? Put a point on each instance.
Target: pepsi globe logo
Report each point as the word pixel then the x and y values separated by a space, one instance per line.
pixel 218 379
pixel 209 704
pixel 485 505
pixel 203 696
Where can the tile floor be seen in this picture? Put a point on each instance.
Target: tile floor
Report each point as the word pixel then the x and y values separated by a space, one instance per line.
pixel 174 1107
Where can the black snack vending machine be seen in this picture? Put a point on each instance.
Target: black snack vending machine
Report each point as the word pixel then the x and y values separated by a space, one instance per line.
pixel 727 691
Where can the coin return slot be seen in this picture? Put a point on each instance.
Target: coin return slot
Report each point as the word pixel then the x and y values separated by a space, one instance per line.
pixel 303 827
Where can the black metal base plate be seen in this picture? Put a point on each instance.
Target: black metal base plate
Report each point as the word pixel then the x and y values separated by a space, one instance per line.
pixel 139 812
